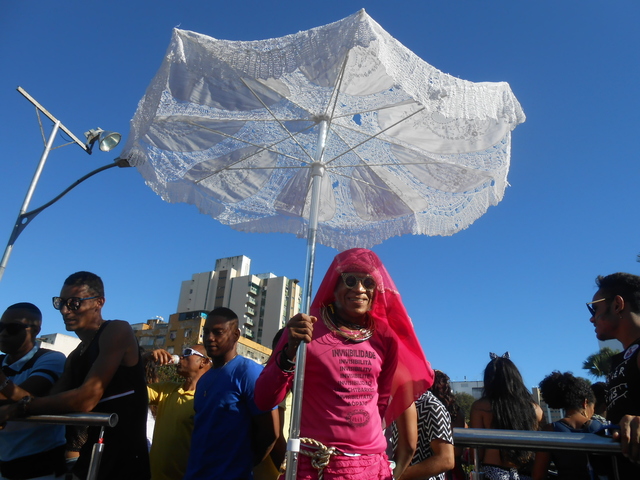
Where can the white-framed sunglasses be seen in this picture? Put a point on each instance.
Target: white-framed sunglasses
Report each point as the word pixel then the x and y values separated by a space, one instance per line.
pixel 592 310
pixel 190 351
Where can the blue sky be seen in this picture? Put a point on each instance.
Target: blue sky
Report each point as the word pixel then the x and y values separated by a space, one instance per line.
pixel 516 280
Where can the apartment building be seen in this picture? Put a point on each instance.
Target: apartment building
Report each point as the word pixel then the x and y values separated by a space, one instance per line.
pixel 184 330
pixel 263 303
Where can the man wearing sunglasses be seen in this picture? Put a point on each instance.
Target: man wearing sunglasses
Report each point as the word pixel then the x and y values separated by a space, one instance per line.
pixel 615 314
pixel 105 373
pixel 174 421
pixel 28 451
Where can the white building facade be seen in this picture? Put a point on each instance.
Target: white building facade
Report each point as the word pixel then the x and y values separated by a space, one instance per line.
pixel 473 388
pixel 263 302
pixel 58 342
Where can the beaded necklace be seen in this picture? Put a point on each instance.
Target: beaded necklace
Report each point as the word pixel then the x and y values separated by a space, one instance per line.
pixel 355 333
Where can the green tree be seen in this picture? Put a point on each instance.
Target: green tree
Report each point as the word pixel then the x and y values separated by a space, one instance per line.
pixel 465 401
pixel 599 364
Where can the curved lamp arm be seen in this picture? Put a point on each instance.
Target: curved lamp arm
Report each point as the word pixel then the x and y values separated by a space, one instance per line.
pixel 25 218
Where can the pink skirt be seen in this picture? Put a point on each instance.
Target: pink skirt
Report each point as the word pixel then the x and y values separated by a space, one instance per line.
pixel 342 467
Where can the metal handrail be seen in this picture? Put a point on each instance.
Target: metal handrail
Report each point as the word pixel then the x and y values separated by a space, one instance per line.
pixel 581 442
pixel 584 442
pixel 101 420
pixel 83 419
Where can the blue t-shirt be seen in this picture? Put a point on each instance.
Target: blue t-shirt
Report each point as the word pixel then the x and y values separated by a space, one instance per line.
pixel 19 439
pixel 221 439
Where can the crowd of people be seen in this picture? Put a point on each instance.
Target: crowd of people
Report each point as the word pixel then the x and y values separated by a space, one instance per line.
pixel 372 406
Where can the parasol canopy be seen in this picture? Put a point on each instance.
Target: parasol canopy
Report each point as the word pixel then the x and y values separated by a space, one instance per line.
pixel 239 128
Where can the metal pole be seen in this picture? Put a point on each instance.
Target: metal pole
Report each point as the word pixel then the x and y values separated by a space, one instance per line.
pixel 24 218
pixel 530 440
pixel 317 173
pixel 534 440
pixel 101 420
pixel 82 419
pixel 476 474
pixel 96 456
pixel 27 198
pixel 35 103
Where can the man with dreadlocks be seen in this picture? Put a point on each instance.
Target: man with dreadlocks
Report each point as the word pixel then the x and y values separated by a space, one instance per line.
pixel 364 367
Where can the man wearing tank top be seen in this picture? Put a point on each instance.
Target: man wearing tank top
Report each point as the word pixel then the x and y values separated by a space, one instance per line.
pixel 103 374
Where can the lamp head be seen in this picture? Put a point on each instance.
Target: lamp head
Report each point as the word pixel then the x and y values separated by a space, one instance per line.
pixel 106 140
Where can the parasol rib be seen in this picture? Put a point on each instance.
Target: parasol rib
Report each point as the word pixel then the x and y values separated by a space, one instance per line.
pixel 374 136
pixel 292 137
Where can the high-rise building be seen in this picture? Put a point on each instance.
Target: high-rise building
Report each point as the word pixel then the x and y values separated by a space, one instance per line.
pixel 263 303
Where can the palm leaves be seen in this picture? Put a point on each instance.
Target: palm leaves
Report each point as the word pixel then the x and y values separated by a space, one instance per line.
pixel 599 364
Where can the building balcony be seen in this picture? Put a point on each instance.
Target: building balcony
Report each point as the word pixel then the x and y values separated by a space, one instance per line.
pixel 251 311
pixel 248 322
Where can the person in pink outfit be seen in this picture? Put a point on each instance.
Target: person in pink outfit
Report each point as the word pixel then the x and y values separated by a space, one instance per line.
pixel 364 367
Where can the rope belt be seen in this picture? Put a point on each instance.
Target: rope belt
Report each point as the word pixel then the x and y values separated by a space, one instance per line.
pixel 319 457
pixel 320 454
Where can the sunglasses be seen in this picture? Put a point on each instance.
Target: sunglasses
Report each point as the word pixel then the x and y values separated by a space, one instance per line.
pixel 190 351
pixel 350 280
pixel 72 303
pixel 592 310
pixel 13 328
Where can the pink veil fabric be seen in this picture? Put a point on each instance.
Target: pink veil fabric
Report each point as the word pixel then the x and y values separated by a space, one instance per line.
pixel 414 374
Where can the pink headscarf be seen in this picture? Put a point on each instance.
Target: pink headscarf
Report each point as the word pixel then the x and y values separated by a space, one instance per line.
pixel 414 375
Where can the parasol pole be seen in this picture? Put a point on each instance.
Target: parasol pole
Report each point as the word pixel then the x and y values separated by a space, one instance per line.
pixel 317 172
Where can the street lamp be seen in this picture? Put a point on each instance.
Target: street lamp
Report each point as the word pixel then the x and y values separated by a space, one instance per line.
pixel 106 141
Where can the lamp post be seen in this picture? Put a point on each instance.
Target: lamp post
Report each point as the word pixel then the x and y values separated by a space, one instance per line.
pixel 106 141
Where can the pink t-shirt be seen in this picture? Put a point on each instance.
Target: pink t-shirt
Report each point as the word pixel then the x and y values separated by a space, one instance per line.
pixel 346 389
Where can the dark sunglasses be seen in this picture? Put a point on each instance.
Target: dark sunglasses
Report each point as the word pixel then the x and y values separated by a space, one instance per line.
pixel 592 310
pixel 190 351
pixel 350 280
pixel 13 328
pixel 72 303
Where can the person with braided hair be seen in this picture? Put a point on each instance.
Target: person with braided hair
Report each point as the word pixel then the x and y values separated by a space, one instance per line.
pixel 364 367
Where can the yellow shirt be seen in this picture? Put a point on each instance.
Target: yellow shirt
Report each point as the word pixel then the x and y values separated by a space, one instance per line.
pixel 172 433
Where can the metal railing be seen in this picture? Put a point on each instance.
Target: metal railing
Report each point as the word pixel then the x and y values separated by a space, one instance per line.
pixel 83 419
pixel 489 438
pixel 101 420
